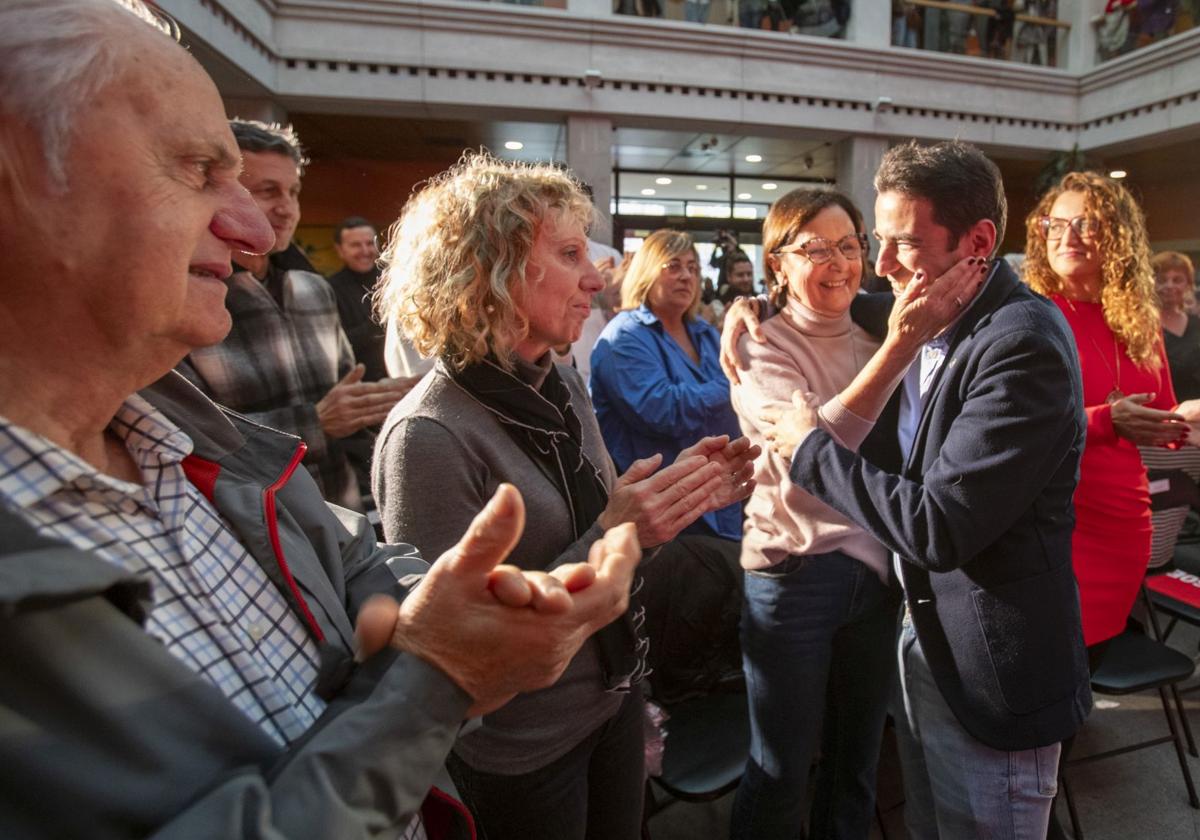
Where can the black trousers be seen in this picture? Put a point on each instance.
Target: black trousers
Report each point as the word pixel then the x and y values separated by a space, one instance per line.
pixel 594 792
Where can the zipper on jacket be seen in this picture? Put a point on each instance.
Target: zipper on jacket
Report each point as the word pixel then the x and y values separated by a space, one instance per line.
pixel 273 532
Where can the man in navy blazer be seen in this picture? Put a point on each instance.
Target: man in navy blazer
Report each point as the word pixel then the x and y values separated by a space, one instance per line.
pixel 974 499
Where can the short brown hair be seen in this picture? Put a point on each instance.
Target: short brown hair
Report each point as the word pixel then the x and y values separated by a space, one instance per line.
pixel 788 215
pixel 957 179
pixel 1166 260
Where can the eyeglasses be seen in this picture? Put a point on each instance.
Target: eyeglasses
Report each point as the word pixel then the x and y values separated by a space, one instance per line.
pixel 1053 228
pixel 677 267
pixel 819 250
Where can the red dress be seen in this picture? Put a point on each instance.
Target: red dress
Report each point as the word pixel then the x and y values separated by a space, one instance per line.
pixel 1111 543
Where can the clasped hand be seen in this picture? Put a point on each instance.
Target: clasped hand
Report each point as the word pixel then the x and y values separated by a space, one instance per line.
pixel 786 428
pixel 1133 420
pixel 496 630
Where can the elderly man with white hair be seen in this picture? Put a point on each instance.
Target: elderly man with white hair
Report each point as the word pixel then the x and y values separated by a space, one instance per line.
pixel 187 648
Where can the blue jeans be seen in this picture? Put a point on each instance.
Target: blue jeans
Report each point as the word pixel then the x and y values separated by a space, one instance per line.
pixel 902 35
pixel 696 12
pixel 818 635
pixel 955 786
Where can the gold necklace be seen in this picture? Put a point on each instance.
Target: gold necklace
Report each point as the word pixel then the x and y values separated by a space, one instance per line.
pixel 1114 372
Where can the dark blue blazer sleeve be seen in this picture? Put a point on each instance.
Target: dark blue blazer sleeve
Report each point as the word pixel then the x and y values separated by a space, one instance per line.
pixel 987 449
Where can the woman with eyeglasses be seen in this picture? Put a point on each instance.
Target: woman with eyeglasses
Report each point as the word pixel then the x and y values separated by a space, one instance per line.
pixel 656 381
pixel 1087 250
pixel 819 619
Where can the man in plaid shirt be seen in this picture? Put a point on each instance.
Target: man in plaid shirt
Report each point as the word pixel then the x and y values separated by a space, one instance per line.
pixel 192 642
pixel 286 362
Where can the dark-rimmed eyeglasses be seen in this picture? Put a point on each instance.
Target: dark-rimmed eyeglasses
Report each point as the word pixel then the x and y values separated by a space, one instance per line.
pixel 1054 228
pixel 820 250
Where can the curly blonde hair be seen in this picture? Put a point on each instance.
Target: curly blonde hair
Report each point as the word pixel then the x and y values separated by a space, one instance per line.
pixel 659 248
pixel 461 247
pixel 1127 294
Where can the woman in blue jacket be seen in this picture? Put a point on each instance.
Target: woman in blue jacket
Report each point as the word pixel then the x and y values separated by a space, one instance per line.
pixel 657 383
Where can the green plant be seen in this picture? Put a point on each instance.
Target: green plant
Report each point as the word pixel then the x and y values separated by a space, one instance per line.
pixel 1059 165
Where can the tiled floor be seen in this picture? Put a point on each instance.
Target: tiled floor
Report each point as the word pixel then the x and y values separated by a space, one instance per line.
pixel 1138 796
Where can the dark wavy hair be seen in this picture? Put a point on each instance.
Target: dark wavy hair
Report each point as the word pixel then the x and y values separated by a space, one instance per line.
pixel 957 179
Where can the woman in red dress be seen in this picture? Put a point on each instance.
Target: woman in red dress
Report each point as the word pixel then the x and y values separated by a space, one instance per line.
pixel 1087 250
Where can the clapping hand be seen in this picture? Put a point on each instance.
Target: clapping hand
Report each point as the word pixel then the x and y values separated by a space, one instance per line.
pixel 495 630
pixel 736 460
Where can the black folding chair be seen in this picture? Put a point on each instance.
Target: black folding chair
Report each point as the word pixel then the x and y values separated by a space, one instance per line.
pixel 707 743
pixel 1136 662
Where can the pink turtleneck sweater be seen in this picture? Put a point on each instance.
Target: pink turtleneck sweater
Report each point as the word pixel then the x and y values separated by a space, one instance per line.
pixel 818 355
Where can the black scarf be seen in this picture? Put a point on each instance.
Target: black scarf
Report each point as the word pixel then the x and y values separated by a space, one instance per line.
pixel 544 425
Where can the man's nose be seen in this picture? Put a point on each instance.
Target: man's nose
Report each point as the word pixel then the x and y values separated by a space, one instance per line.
pixel 885 263
pixel 289 207
pixel 241 224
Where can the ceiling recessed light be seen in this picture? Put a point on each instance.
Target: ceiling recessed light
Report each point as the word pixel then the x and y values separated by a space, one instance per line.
pixel 663 181
pixel 702 186
pixel 647 191
pixel 1118 174
pixel 514 145
pixel 770 186
pixel 753 158
pixel 743 196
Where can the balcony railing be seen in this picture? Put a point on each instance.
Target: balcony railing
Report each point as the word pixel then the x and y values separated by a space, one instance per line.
pixel 1127 25
pixel 1026 31
pixel 823 18
pixel 992 29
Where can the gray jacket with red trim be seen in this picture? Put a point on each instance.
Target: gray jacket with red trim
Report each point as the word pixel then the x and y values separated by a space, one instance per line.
pixel 103 734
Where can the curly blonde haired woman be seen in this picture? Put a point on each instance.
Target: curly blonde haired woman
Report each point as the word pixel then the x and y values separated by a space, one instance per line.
pixel 487 270
pixel 1087 250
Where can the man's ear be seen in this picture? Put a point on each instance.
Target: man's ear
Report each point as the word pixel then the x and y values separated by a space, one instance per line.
pixel 982 237
pixel 23 173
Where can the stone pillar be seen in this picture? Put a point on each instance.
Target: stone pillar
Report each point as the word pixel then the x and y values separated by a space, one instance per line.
pixel 1077 46
pixel 261 109
pixel 870 23
pixel 589 154
pixel 857 160
pixel 590 8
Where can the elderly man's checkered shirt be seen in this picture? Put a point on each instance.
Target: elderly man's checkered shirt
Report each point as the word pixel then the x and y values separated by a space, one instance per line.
pixel 214 608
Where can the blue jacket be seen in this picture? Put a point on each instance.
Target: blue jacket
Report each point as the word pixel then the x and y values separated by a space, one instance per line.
pixel 981 516
pixel 651 397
